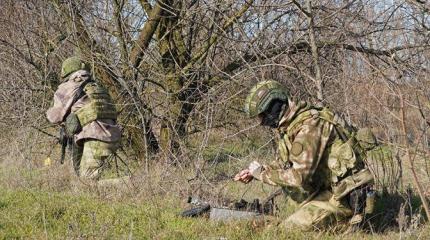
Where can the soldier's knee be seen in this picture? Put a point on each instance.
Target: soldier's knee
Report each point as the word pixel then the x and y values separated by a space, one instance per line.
pixel 309 222
pixel 294 224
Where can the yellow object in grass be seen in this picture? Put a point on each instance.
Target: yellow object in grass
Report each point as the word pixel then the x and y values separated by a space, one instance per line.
pixel 47 161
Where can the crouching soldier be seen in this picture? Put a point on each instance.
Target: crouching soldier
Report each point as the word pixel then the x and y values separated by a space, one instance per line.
pixel 88 114
pixel 320 164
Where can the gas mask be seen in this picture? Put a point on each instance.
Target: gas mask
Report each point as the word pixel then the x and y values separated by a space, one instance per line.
pixel 272 115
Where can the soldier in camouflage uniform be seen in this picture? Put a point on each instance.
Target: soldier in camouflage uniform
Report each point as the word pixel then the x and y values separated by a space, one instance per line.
pixel 89 116
pixel 320 163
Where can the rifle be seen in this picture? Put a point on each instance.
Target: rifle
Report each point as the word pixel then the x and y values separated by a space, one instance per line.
pixel 45 132
pixel 63 139
pixel 268 203
pixel 237 210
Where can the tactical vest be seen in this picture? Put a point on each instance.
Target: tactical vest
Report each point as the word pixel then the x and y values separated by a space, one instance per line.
pixel 100 106
pixel 345 158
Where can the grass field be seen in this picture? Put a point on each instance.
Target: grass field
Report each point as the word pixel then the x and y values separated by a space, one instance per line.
pixel 38 207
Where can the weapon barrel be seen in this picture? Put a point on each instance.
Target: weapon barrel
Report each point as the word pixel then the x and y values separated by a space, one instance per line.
pixel 63 142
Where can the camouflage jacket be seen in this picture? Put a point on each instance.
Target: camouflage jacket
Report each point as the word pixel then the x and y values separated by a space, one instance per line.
pixel 304 144
pixel 105 129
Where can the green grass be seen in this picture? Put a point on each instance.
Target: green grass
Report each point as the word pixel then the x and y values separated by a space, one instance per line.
pixel 39 214
pixel 28 213
pixel 42 204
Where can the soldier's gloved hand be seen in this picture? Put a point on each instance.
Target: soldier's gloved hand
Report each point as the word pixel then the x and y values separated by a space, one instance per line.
pixel 244 176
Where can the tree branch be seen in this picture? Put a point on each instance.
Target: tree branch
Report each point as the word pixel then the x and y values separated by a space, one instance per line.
pixel 120 29
pixel 315 52
pixel 146 6
pixel 423 4
pixel 21 54
pixel 148 30
pixel 202 53
pixel 306 13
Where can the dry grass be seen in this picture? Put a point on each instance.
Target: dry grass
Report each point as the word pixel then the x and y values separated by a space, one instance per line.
pixel 47 202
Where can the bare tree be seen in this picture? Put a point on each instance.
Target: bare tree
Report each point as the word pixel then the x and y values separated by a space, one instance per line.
pixel 179 70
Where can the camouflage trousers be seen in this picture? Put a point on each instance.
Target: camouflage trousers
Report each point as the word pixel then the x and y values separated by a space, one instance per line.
pixel 321 212
pixel 90 159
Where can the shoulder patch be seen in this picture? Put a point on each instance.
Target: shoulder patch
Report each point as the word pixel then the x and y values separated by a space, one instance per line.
pixel 296 149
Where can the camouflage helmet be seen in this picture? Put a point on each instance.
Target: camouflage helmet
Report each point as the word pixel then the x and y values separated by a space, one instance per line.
pixel 262 94
pixel 71 65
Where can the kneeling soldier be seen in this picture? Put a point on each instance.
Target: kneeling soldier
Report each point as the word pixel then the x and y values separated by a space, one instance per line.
pixel 89 116
pixel 320 163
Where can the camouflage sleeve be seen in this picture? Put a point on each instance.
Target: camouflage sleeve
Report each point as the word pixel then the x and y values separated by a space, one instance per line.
pixel 304 153
pixel 63 101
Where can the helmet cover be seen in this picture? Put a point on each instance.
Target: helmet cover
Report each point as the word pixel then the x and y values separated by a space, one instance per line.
pixel 262 94
pixel 71 65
